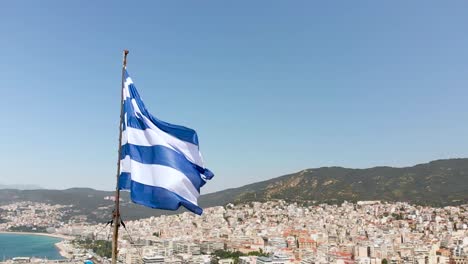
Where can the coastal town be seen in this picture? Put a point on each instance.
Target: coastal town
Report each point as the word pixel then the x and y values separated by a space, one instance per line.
pixel 234 132
pixel 366 232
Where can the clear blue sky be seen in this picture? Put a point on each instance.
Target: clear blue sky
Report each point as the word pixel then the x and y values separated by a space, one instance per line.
pixel 272 87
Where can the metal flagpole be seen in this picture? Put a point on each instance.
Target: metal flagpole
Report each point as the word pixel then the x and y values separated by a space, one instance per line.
pixel 116 213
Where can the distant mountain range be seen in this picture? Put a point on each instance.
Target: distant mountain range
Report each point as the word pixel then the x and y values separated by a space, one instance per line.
pixel 437 183
pixel 20 186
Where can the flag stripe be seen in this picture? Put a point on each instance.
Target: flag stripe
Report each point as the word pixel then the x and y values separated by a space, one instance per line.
pixel 161 176
pixel 164 156
pixel 145 137
pixel 125 181
pixel 140 131
pixel 135 122
pixel 160 198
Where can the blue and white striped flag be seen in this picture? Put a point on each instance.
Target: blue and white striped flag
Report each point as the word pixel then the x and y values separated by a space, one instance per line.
pixel 160 163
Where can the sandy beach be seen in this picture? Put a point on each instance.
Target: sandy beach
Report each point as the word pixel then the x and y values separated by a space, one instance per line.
pixel 64 249
pixel 39 234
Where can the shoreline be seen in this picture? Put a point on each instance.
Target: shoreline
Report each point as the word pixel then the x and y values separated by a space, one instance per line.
pixel 62 249
pixel 59 245
pixel 38 234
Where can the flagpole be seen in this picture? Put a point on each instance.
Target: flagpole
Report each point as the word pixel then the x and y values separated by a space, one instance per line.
pixel 116 213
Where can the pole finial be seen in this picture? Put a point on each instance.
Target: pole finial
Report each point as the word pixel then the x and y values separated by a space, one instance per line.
pixel 125 53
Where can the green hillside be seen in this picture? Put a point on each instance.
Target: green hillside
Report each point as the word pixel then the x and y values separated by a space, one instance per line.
pixel 441 182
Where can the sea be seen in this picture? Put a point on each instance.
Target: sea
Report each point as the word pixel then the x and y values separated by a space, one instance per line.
pixel 19 245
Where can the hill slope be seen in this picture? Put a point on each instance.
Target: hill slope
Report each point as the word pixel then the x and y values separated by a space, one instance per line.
pixel 441 182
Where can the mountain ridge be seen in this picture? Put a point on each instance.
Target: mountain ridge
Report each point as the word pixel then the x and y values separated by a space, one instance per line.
pixel 258 186
pixel 20 186
pixel 437 183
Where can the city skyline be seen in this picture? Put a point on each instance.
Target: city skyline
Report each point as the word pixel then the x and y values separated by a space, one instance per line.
pixel 373 232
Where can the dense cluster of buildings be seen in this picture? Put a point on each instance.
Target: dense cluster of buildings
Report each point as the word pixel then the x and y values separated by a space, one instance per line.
pixel 31 216
pixel 367 232
pixel 272 232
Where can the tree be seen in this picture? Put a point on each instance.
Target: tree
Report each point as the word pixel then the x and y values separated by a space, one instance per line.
pixel 384 261
pixel 102 248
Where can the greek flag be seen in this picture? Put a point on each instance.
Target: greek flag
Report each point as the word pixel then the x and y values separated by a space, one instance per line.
pixel 160 163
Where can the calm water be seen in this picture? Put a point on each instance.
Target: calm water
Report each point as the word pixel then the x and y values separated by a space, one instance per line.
pixel 13 245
